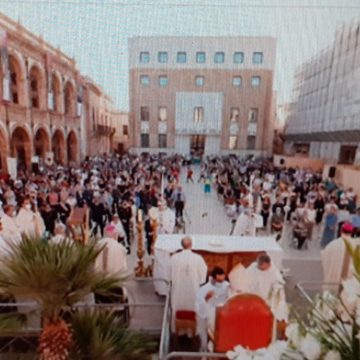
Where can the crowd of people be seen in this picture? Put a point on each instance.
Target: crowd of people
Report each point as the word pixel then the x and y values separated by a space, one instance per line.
pixel 120 191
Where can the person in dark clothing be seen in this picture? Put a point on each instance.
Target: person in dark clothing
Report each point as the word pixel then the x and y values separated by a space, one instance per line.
pixel 97 214
pixel 179 206
pixel 319 206
pixel 125 214
pixel 63 211
pixel 49 216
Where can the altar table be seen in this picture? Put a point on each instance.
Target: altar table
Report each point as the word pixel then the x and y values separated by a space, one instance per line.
pixel 223 251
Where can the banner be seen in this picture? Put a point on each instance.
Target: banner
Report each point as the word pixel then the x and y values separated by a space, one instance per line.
pixel 4 55
pixel 49 82
pixel 80 94
pixel 12 167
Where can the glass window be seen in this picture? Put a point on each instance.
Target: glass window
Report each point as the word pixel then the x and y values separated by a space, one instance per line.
pixel 251 142
pixel 198 114
pixel 257 58
pixel 255 81
pixel 125 130
pixel 234 114
pixel 233 142
pixel 163 80
pixel 144 113
pixel 200 57
pixel 253 115
pixel 236 81
pixel 181 57
pixel 144 57
pixel 219 57
pixel 144 80
pixel 162 113
pixel 163 57
pixel 145 140
pixel 238 57
pixel 162 141
pixel 199 80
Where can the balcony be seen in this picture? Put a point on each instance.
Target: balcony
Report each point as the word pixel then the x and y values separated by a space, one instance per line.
pixel 104 130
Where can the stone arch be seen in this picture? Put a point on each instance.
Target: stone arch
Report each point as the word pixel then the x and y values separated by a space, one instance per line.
pixel 17 79
pixel 21 147
pixel 37 86
pixel 58 146
pixel 69 99
pixel 3 151
pixel 72 147
pixel 41 143
pixel 56 90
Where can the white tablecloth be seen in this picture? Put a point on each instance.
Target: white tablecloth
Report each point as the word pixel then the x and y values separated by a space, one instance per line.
pixel 168 244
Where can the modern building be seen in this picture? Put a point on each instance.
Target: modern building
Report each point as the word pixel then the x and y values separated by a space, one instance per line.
pixel 202 94
pixel 325 117
pixel 46 105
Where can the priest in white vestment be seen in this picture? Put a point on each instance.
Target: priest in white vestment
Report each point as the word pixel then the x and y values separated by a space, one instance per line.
pixel 336 261
pixel 59 234
pixel 112 259
pixel 266 281
pixel 31 223
pixel 245 224
pixel 164 216
pixel 188 272
pixel 214 293
pixel 11 230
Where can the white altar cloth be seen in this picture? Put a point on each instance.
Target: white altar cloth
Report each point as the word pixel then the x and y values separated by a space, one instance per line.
pixel 167 244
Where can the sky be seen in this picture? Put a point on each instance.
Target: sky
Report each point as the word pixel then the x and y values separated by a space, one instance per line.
pixel 95 32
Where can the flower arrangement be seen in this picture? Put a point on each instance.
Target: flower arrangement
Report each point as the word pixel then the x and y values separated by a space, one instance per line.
pixel 331 330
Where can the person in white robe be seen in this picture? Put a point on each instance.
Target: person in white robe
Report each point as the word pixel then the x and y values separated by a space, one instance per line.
pixel 188 272
pixel 31 223
pixel 239 280
pixel 164 216
pixel 245 224
pixel 336 261
pixel 112 259
pixel 214 293
pixel 11 230
pixel 266 281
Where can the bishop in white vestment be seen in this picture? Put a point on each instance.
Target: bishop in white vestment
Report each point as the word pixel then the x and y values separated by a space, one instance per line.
pixel 164 217
pixel 112 259
pixel 245 224
pixel 336 260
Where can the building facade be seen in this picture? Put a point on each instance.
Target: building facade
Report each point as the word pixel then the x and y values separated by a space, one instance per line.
pixel 325 118
pixel 49 112
pixel 121 140
pixel 202 94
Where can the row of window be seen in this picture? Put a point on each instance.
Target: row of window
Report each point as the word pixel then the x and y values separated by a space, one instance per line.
pixel 238 57
pixel 198 114
pixel 200 81
pixel 232 143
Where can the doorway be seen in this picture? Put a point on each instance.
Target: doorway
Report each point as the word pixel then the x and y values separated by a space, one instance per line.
pixel 347 154
pixel 197 145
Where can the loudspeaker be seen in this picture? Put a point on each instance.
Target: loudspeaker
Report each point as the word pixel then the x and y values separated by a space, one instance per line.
pixel 332 171
pixel 282 161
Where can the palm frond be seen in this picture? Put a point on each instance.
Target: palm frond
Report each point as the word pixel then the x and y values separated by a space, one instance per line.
pixel 99 335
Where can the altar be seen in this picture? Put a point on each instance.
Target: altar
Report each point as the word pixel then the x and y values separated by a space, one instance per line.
pixel 217 250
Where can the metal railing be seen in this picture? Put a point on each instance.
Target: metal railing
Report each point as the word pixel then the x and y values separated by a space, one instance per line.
pixel 194 355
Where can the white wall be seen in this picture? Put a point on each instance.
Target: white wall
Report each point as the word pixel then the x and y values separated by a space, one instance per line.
pixel 212 145
pixel 182 144
pixel 184 114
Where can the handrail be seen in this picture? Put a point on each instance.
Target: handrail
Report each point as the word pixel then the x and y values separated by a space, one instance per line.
pixel 300 287
pixel 164 321
pixel 192 355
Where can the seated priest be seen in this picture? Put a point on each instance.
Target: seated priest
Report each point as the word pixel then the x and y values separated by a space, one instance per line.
pixel 113 257
pixel 239 280
pixel 11 230
pixel 215 292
